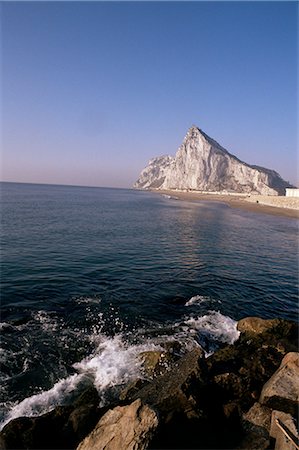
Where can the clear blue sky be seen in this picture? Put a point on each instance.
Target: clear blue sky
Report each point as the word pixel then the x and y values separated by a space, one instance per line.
pixel 92 91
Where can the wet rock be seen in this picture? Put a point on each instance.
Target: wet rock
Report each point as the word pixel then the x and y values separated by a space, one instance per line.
pixel 128 427
pixel 256 325
pixel 281 392
pixel 62 428
pixel 176 390
pixel 238 372
pixel 130 391
pixel 175 348
pixel 155 363
pixel 279 333
pixel 175 396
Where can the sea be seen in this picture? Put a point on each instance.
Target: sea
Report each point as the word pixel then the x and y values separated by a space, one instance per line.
pixel 91 277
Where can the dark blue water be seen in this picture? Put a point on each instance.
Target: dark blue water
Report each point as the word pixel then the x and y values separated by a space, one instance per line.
pixel 91 276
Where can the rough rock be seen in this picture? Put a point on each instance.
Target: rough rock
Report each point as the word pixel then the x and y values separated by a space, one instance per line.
pixel 156 363
pixel 287 422
pixel 238 372
pixel 62 428
pixel 175 391
pixel 281 392
pixel 131 389
pixel 152 361
pixel 202 164
pixel 256 325
pixel 124 427
pixel 176 397
pixel 256 425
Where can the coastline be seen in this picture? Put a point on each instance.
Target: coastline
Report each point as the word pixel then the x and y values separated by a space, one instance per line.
pixel 246 203
pixel 181 398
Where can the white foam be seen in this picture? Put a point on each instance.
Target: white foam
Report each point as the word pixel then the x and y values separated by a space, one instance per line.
pixel 214 327
pixel 45 401
pixel 197 300
pixel 113 363
pixel 88 300
pixel 4 326
pixel 47 322
pixel 170 197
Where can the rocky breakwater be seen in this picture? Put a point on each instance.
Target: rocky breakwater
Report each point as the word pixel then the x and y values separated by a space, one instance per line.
pixel 240 397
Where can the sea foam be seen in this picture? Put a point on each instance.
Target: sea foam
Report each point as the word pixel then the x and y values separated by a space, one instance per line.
pixel 213 328
pixel 113 363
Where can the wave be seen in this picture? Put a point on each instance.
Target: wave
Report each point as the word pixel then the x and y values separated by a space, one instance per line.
pixel 197 300
pixel 115 361
pixel 170 197
pixel 213 328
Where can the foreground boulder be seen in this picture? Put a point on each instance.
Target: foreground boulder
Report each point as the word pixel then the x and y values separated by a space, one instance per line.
pixel 176 391
pixel 124 427
pixel 256 426
pixel 256 325
pixel 281 392
pixel 238 372
pixel 176 398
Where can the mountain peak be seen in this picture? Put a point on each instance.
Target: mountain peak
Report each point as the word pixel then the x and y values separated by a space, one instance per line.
pixel 201 164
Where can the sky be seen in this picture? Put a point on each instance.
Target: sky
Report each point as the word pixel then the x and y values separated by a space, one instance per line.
pixel 92 90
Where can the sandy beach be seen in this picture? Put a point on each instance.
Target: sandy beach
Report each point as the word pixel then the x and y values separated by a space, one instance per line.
pixel 274 205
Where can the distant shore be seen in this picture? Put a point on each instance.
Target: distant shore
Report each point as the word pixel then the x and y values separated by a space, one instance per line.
pixel 284 206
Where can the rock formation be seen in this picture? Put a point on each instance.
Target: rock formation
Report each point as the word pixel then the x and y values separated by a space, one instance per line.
pixel 124 427
pixel 201 164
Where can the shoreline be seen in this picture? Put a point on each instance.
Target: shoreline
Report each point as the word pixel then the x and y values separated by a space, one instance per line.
pixel 234 201
pixel 180 398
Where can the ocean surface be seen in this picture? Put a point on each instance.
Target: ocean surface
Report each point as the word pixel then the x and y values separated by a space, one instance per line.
pixel 91 277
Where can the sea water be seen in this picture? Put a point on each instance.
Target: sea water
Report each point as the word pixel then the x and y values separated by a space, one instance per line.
pixel 91 277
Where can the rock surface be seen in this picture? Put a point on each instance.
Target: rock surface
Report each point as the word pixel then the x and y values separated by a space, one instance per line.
pixel 174 391
pixel 282 390
pixel 256 325
pixel 124 427
pixel 256 425
pixel 202 164
pixel 289 424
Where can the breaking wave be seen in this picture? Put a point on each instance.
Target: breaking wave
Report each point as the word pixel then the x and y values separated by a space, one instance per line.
pixel 213 328
pixel 115 360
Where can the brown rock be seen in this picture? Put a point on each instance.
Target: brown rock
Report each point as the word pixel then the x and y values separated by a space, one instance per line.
pixel 286 421
pixel 155 363
pixel 132 389
pixel 256 426
pixel 281 392
pixel 256 325
pixel 124 427
pixel 176 391
pixel 239 372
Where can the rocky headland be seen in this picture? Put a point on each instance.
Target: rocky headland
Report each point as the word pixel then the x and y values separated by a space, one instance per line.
pixel 202 164
pixel 243 396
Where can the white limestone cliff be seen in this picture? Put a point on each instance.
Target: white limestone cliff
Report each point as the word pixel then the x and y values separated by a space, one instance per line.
pixel 201 164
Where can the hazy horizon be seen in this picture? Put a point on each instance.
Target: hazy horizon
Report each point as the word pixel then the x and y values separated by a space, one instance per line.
pixel 92 91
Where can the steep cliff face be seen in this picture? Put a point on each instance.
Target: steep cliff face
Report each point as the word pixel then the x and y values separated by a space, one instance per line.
pixel 202 164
